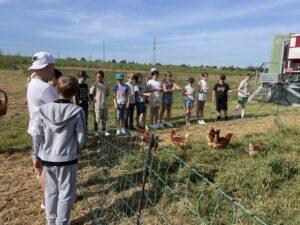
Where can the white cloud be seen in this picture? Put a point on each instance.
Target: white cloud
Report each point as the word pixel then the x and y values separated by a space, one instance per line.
pixel 117 25
pixel 128 31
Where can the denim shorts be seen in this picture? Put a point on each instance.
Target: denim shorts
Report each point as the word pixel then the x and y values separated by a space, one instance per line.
pixel 121 112
pixel 167 99
pixel 188 103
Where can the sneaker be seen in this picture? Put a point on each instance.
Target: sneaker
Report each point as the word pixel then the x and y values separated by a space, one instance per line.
pixel 106 133
pixel 153 126
pixel 123 131
pixel 226 118
pixel 159 125
pixel 243 118
pixel 234 114
pixel 169 124
pixel 203 122
pixel 218 118
pixel 43 206
pixel 188 124
pixel 97 134
pixel 118 132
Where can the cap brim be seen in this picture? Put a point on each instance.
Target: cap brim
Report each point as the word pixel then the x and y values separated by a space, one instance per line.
pixel 37 67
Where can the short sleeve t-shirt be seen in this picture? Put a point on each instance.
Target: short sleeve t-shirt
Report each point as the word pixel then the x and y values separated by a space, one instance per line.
pixel 100 92
pixel 190 92
pixel 244 86
pixel 153 84
pixel 140 90
pixel 221 90
pixel 122 92
pixel 38 93
pixel 203 86
pixel 82 98
pixel 131 93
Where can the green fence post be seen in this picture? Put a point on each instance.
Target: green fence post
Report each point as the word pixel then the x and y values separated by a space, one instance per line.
pixel 145 174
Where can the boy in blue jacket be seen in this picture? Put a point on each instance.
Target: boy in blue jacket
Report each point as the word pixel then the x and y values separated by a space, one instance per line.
pixel 58 138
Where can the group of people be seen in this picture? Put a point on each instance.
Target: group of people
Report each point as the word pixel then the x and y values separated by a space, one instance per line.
pixel 58 109
pixel 136 94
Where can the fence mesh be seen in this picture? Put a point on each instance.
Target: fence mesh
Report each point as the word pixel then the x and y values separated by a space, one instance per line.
pixel 126 181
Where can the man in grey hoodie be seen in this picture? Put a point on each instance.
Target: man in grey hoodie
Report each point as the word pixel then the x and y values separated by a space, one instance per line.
pixel 58 138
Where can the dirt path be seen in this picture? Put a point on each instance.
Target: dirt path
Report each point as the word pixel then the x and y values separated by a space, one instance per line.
pixel 20 194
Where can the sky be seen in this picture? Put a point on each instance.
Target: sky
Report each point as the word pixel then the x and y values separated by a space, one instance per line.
pixel 193 32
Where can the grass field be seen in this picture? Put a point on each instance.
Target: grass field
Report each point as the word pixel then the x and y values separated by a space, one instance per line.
pixel 267 184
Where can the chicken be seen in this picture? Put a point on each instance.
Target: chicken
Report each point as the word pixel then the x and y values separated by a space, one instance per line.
pixel 255 148
pixel 145 137
pixel 217 136
pixel 140 130
pixel 179 142
pixel 221 142
pixel 210 137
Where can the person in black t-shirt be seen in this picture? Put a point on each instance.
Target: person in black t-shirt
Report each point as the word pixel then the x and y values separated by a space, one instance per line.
pixel 220 97
pixel 82 97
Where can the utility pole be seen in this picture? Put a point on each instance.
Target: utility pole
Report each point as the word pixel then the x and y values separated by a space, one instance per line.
pixel 154 51
pixel 103 51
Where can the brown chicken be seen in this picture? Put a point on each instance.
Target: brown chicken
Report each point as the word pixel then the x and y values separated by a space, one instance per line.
pixel 221 142
pixel 140 130
pixel 145 137
pixel 210 137
pixel 178 141
pixel 255 148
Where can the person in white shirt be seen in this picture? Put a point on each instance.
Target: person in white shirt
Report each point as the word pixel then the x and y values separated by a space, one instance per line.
pixel 189 98
pixel 154 86
pixel 203 88
pixel 243 94
pixel 39 92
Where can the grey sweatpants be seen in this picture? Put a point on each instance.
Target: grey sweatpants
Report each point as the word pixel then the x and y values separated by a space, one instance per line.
pixel 60 193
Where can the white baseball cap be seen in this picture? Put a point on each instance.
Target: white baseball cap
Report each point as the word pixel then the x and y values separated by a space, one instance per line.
pixel 153 69
pixel 41 60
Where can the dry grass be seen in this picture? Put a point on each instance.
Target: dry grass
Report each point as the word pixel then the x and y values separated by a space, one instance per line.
pixel 19 190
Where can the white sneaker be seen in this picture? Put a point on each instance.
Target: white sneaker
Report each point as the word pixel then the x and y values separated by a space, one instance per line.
pixel 159 125
pixel 188 124
pixel 169 124
pixel 123 131
pixel 43 206
pixel 203 122
pixel 153 126
pixel 106 133
pixel 199 122
pixel 118 132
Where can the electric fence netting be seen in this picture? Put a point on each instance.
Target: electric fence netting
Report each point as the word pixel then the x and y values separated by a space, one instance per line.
pixel 124 181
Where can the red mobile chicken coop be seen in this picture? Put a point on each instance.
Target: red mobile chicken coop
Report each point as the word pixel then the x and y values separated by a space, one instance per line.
pixel 280 80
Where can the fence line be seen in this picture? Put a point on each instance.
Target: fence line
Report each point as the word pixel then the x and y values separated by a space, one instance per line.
pixel 135 185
